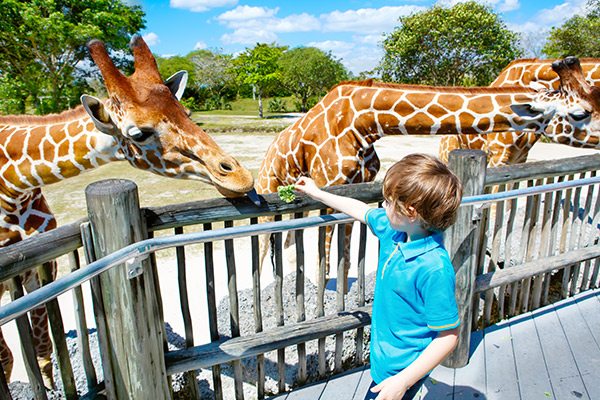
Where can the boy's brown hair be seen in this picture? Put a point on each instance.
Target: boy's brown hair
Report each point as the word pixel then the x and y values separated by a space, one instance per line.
pixel 425 183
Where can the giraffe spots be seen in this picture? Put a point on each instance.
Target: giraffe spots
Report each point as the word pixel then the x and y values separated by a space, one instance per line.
pixel 448 126
pixel 63 148
pixel 34 222
pixel 10 174
pixel 339 116
pixel 451 102
pixel 67 169
pixel 436 111
pixel 366 123
pixel 389 123
pixel 45 172
pixel 420 124
pixel 481 105
pixel 25 169
pixel 404 109
pixel 466 121
pixel 420 100
pixel 384 101
pixel 363 98
pixel 484 124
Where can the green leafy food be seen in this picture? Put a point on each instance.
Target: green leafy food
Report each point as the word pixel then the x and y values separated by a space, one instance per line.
pixel 286 193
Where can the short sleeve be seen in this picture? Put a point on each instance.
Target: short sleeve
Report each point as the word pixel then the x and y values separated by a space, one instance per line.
pixel 441 312
pixel 377 221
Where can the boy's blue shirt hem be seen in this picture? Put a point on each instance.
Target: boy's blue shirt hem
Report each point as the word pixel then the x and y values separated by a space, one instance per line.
pixel 414 296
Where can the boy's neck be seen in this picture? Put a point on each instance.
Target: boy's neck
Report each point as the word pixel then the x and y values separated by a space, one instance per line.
pixel 416 232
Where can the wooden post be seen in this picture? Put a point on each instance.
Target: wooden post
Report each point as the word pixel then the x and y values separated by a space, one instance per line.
pixel 134 334
pixel 461 242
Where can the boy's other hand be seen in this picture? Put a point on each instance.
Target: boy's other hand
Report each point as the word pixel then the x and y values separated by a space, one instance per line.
pixel 392 388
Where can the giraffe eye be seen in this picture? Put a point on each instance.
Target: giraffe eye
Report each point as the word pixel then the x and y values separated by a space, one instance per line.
pixel 580 115
pixel 140 134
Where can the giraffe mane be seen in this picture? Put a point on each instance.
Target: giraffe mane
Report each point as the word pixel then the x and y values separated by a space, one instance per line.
pixel 441 89
pixel 42 119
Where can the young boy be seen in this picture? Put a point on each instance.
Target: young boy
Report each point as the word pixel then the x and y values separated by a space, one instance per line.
pixel 415 317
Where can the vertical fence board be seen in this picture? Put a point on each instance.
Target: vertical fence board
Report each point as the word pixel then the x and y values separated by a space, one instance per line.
pixel 27 348
pixel 99 312
pixel 507 292
pixel 258 320
pixel 498 218
pixel 564 236
pixel 209 270
pixel 190 384
pixel 470 167
pixel 278 296
pixel 321 295
pixel 340 289
pixel 234 312
pixel 300 310
pixel 83 340
pixel 362 247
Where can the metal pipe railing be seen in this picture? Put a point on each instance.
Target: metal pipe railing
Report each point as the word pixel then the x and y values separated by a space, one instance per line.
pixel 140 250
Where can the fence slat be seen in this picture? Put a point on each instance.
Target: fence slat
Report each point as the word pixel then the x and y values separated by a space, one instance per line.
pixel 27 347
pixel 234 311
pixel 321 295
pixel 278 296
pixel 362 247
pixel 258 320
pixel 340 290
pixel 300 309
pixel 209 269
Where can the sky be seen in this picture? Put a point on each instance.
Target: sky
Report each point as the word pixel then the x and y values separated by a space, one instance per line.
pixel 351 30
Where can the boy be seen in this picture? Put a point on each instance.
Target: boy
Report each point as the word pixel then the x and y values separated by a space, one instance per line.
pixel 415 317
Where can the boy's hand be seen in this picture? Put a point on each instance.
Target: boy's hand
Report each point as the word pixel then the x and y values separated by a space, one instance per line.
pixel 307 186
pixel 392 388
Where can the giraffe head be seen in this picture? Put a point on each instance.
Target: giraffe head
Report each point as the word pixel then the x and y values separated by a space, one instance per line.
pixel 571 113
pixel 153 130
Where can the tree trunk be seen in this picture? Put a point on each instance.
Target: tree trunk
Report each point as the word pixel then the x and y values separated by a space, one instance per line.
pixel 260 104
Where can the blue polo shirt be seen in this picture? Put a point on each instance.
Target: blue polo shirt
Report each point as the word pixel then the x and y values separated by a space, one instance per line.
pixel 414 296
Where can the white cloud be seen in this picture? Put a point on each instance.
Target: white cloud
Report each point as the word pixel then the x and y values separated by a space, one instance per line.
pixel 366 20
pixel 244 13
pixel 260 24
pixel 332 45
pixel 201 5
pixel 500 5
pixel 561 12
pixel 151 39
pixel 200 45
pixel 248 36
pixel 356 58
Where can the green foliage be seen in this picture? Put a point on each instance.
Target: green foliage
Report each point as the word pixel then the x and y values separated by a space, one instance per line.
pixel 259 67
pixel 42 42
pixel 308 72
pixel 277 105
pixel 579 36
pixel 286 193
pixel 464 44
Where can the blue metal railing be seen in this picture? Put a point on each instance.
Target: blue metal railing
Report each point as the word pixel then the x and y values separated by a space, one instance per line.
pixel 141 249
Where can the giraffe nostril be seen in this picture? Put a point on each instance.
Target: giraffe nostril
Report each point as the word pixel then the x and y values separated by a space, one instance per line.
pixel 226 167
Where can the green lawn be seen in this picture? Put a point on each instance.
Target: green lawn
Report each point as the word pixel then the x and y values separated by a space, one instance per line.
pixel 249 107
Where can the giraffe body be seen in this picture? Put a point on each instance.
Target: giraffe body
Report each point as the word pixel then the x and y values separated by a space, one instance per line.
pixel 141 122
pixel 504 148
pixel 333 142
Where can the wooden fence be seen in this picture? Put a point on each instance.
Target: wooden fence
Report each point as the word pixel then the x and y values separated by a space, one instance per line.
pixel 506 258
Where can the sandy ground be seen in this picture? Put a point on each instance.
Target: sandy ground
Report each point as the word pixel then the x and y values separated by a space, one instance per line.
pixel 389 149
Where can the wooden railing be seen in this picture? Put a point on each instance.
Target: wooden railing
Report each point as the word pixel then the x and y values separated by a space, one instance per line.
pixel 566 220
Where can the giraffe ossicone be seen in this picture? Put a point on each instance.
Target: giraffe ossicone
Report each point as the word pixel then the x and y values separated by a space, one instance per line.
pixel 141 121
pixel 333 141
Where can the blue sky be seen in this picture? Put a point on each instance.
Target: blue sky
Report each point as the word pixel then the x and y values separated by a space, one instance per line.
pixel 352 30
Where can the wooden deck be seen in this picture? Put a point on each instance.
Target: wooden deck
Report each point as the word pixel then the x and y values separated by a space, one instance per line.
pixel 550 353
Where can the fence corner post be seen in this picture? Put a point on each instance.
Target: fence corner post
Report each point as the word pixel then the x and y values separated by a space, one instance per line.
pixel 462 241
pixel 133 324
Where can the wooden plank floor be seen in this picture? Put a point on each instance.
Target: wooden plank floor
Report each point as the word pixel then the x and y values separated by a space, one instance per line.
pixel 550 353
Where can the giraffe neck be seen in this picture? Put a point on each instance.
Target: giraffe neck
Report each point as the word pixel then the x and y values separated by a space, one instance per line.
pixel 37 151
pixel 372 112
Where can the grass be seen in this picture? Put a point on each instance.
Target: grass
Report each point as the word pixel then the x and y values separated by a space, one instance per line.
pixel 249 107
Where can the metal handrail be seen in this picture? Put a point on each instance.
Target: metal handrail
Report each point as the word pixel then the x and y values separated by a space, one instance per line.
pixel 140 250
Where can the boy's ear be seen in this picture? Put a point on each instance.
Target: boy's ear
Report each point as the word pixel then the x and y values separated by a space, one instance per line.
pixel 412 212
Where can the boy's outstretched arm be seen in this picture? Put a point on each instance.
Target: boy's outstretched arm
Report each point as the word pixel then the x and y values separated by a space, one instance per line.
pixel 354 208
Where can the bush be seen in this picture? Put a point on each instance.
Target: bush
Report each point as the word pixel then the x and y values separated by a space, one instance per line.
pixel 277 105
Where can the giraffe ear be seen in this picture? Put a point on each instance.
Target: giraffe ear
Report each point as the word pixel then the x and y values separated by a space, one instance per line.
pixel 176 83
pixel 100 117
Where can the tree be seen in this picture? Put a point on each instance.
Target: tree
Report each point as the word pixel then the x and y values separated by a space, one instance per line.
pixel 308 72
pixel 467 44
pixel 43 41
pixel 579 36
pixel 215 73
pixel 259 67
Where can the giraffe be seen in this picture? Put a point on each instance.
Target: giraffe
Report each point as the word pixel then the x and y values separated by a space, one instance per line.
pixel 505 148
pixel 333 141
pixel 141 122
